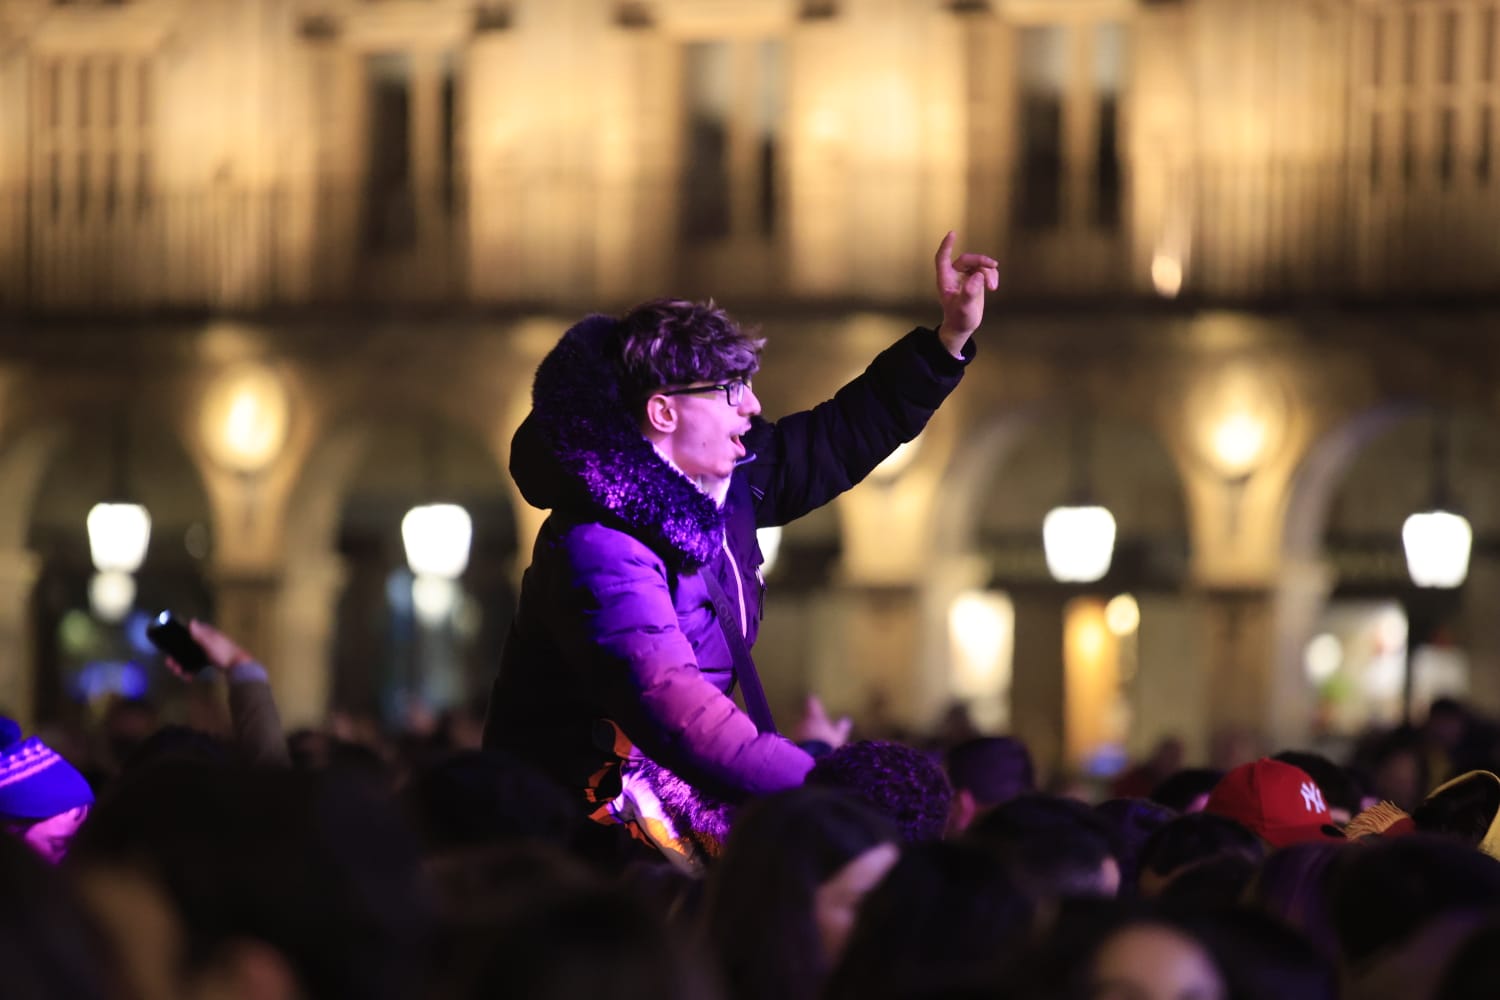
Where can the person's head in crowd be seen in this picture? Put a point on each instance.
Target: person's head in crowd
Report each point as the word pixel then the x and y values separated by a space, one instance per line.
pixel 1165 758
pixel 1292 885
pixel 1397 765
pixel 1187 790
pixel 1262 958
pixel 1343 794
pixel 782 899
pixel 1388 889
pixel 1053 848
pixel 948 916
pixel 1155 959
pixel 1280 803
pixel 574 942
pixel 127 722
pixel 50 944
pixel 985 772
pixel 491 881
pixel 1216 882
pixel 470 798
pixel 1447 724
pixel 899 781
pixel 1466 808
pixel 43 799
pixel 1118 950
pixel 314 874
pixel 1190 840
pixel 1132 822
pixel 175 742
pixel 1474 969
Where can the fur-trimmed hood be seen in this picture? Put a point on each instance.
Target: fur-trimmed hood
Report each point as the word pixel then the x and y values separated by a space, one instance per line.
pixel 581 451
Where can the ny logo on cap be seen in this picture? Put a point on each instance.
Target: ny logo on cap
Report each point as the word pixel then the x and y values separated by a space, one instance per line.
pixel 1312 797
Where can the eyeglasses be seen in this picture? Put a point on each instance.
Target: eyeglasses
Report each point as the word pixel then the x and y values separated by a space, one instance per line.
pixel 734 390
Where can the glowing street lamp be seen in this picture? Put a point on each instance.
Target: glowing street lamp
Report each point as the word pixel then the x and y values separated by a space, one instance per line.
pixel 118 536
pixel 437 538
pixel 1437 540
pixel 1078 538
pixel 1079 543
pixel 1437 544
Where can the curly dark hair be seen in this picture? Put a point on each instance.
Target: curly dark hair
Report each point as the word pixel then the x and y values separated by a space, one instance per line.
pixel 676 342
pixel 903 783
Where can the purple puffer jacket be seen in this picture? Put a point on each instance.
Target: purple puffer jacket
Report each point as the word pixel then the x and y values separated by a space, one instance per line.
pixel 615 624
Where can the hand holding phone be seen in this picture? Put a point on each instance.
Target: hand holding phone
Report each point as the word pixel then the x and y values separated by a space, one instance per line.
pixel 172 637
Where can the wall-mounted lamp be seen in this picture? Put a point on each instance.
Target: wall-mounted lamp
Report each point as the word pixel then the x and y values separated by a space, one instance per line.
pixel 244 418
pixel 1079 538
pixel 1438 540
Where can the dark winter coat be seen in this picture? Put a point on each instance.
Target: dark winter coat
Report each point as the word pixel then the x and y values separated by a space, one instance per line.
pixel 615 621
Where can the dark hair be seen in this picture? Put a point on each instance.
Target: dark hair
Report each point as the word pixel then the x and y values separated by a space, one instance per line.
pixel 1132 822
pixel 1215 883
pixel 475 797
pixel 994 769
pixel 1062 964
pixel 50 946
pixel 759 905
pixel 675 342
pixel 947 917
pixel 1464 809
pixel 1385 889
pixel 571 943
pixel 174 742
pixel 1292 885
pixel 900 782
pixel 1052 847
pixel 1262 958
pixel 1178 789
pixel 1474 969
pixel 1339 787
pixel 318 866
pixel 1194 838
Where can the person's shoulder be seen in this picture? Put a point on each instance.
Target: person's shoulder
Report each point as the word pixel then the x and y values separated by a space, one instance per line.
pixel 599 547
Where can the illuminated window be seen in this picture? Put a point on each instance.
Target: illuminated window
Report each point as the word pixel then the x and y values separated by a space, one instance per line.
pixel 1068 124
pixel 390 200
pixel 397 192
pixel 91 137
pixel 732 121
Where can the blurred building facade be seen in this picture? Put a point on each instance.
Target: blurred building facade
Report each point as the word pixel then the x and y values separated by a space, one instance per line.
pixel 1248 267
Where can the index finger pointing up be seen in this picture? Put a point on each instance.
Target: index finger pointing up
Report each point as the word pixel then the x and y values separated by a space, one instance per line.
pixel 944 258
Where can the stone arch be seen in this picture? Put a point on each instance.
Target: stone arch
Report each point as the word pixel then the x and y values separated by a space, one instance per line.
pixel 64 462
pixel 1030 445
pixel 338 464
pixel 1308 581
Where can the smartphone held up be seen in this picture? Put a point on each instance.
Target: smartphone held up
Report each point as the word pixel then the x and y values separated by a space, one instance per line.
pixel 170 635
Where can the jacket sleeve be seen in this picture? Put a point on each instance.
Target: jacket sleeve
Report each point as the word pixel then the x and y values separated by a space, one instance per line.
pixel 619 624
pixel 253 714
pixel 804 460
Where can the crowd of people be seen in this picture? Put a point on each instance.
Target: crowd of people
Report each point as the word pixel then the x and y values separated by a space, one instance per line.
pixel 619 825
pixel 244 862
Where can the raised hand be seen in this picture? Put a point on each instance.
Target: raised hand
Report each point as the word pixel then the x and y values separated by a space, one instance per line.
pixel 816 725
pixel 961 284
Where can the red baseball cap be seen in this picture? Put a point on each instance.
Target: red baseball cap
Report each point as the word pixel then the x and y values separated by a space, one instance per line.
pixel 1279 802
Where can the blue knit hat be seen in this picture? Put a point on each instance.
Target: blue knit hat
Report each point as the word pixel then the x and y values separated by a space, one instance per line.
pixel 35 783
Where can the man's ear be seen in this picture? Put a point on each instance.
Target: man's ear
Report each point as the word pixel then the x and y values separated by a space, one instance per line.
pixel 661 415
